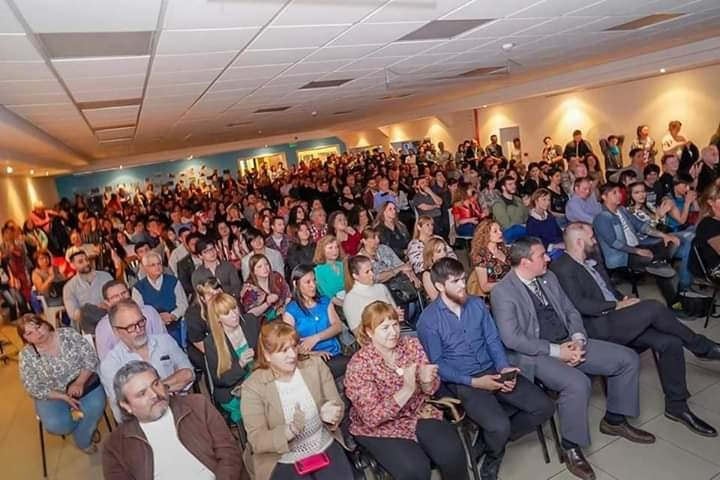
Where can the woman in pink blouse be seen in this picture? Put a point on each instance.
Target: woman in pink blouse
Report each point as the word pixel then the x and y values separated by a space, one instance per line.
pixel 389 381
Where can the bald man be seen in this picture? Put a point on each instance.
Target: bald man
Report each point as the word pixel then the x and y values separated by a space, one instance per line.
pixel 640 324
pixel 709 171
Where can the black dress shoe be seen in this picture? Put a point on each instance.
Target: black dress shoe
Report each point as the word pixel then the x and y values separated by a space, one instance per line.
pixel 712 354
pixel 578 465
pixel 490 467
pixel 691 421
pixel 627 431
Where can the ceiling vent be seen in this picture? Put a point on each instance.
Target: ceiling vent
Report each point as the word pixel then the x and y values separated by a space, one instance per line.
pixel 443 29
pixel 271 109
pixel 644 22
pixel 476 72
pixel 96 44
pixel 325 83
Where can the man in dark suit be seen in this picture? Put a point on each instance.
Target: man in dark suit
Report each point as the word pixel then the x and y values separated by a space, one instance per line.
pixel 187 265
pixel 545 337
pixel 639 324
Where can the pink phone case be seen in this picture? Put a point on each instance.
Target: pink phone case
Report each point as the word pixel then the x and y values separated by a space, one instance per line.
pixel 312 463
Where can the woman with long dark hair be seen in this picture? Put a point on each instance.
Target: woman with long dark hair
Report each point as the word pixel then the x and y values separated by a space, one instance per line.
pixel 315 319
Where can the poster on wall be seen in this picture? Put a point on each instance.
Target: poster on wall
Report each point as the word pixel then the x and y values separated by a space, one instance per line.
pixel 406 146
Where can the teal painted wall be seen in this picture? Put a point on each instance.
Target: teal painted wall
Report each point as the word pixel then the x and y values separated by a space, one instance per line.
pixel 69 185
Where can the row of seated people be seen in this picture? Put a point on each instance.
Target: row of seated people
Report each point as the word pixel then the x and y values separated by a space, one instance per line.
pixel 541 333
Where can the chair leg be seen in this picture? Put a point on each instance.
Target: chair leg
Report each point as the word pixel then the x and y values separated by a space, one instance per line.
pixel 468 447
pixel 556 439
pixel 543 444
pixel 711 307
pixel 42 448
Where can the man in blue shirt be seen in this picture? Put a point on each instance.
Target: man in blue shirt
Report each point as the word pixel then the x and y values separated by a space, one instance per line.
pixel 460 336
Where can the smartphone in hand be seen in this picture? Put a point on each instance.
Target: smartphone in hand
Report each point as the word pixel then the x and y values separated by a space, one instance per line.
pixel 508 376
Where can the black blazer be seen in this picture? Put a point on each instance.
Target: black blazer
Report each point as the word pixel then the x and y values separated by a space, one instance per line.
pixel 225 383
pixel 185 269
pixel 581 287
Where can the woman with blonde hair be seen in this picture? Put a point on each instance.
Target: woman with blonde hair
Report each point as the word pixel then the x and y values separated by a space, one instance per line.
pixel 489 257
pixel 389 382
pixel 329 268
pixel 196 318
pixel 291 410
pixel 423 232
pixel 434 251
pixel 229 350
pixel 362 290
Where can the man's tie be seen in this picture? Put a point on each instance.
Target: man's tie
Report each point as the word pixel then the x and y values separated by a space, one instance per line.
pixel 535 287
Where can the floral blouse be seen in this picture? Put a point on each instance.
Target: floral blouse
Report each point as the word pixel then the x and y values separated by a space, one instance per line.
pixel 370 385
pixel 496 269
pixel 252 295
pixel 41 373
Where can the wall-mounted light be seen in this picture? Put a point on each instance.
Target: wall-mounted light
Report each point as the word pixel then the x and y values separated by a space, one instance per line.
pixel 120 167
pixel 662 70
pixel 9 170
pixel 47 173
pixel 32 172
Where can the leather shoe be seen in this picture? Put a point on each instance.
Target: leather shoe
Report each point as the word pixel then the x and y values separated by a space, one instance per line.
pixel 578 465
pixel 712 354
pixel 691 421
pixel 627 431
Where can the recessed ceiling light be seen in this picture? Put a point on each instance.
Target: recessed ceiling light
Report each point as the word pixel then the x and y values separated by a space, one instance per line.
pixel 190 157
pixel 259 131
pixel 508 46
pixel 662 70
pixel 120 167
pixel 484 106
pixel 32 172
pixel 9 169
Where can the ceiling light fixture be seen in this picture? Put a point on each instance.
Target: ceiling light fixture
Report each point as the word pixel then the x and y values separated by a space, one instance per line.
pixel 484 106
pixel 508 46
pixel 32 172
pixel 662 70
pixel 47 173
pixel 9 169
pixel 190 157
pixel 259 131
pixel 120 167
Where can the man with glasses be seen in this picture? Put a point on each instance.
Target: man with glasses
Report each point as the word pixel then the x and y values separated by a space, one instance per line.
pixel 164 292
pixel 105 339
pixel 161 351
pixel 212 266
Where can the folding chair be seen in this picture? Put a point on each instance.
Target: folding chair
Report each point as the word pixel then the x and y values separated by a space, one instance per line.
pixel 714 283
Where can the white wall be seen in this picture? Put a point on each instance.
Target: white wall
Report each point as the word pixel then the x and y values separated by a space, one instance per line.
pixel 18 193
pixel 689 96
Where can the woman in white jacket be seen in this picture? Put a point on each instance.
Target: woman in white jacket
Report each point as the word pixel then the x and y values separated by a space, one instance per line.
pixel 361 290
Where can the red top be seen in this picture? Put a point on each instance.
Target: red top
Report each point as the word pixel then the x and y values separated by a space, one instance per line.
pixel 351 246
pixel 370 385
pixel 462 212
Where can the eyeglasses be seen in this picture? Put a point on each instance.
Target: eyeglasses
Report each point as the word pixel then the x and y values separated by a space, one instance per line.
pixel 134 327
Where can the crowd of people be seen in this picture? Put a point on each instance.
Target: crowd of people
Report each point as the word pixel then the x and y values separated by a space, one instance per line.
pixel 327 301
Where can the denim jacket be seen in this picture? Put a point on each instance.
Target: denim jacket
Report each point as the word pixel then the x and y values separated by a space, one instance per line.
pixel 610 235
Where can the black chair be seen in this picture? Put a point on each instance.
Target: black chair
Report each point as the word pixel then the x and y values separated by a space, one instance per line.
pixel 714 283
pixel 630 275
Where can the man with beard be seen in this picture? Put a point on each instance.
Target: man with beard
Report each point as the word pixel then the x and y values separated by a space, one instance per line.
pixel 610 316
pixel 459 335
pixel 160 350
pixel 167 437
pixel 82 294
pixel 544 334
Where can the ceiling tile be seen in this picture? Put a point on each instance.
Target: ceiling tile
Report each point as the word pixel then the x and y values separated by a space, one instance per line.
pixel 192 61
pixel 618 8
pixel 101 67
pixel 312 12
pixel 342 53
pixel 292 81
pixel 502 28
pixel 25 71
pixel 239 83
pixel 31 87
pixel 17 47
pixel 90 15
pixel 172 78
pixel 198 41
pixel 87 84
pixel 404 11
pixel 459 45
pixel 10 98
pixel 256 71
pixel 107 117
pixel 405 48
pixel 115 93
pixel 315 67
pixel 553 8
pixel 368 63
pixel 114 133
pixel 485 9
pixel 191 14
pixel 8 22
pixel 298 37
pixel 272 57
pixel 179 89
pixel 376 33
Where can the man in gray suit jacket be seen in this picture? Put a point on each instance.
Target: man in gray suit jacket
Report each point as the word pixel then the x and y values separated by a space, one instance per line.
pixel 545 337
